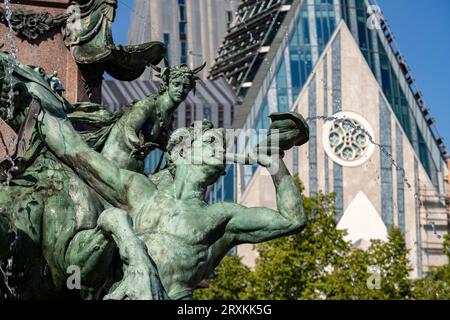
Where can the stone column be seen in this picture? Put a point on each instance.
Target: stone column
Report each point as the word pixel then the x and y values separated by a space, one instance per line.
pixel 48 50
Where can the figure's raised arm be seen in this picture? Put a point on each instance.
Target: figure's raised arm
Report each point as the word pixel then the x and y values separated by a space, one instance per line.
pixel 134 119
pixel 103 175
pixel 254 225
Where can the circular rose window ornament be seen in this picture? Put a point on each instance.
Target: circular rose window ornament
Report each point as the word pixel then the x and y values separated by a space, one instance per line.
pixel 346 141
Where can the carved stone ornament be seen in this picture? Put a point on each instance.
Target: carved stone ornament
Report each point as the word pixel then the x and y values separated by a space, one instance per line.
pixel 31 25
pixel 348 142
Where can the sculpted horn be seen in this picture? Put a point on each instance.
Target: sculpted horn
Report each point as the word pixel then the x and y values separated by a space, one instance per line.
pixel 197 70
pixel 166 62
pixel 156 68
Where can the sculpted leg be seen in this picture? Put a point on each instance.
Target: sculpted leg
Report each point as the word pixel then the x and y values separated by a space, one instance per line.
pixel 141 280
pixel 92 251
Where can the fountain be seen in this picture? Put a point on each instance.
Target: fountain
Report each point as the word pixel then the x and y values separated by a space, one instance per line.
pixel 11 59
pixel 77 200
pixel 55 235
pixel 8 271
pixel 51 221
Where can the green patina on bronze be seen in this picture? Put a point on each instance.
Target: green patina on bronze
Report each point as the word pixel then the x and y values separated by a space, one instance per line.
pixel 152 115
pixel 126 137
pixel 86 31
pixel 79 198
pixel 88 36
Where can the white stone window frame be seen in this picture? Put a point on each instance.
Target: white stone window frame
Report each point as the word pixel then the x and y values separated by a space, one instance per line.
pixel 367 154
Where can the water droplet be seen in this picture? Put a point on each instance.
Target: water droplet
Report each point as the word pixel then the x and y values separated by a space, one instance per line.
pixel 12 59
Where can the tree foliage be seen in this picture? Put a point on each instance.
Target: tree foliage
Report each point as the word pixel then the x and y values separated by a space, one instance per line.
pixel 437 285
pixel 229 282
pixel 320 264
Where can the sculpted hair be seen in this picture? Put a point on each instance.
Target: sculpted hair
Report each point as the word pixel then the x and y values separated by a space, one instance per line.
pixel 181 140
pixel 179 71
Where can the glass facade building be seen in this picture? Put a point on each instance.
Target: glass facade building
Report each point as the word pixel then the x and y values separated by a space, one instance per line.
pixel 306 36
pixel 301 31
pixel 329 57
pixel 194 28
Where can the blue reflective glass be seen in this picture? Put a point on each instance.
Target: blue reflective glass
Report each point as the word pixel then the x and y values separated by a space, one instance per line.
pixel 183 48
pixel 182 13
pixel 206 112
pixel 360 4
pixel 326 30
pixel 305 39
pixel 265 116
pixel 182 28
pixel 229 184
pixel 152 160
pixel 319 29
pixel 295 67
pixel 166 39
pixel 362 34
pixel 423 152
pixel 283 102
pixel 281 75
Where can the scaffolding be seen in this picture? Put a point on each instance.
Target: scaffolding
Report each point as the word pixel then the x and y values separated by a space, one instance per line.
pixel 434 223
pixel 248 41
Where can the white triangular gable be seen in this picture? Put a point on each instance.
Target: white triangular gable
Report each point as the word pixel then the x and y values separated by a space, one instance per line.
pixel 362 221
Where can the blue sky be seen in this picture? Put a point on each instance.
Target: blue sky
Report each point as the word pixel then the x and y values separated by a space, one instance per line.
pixel 122 22
pixel 422 32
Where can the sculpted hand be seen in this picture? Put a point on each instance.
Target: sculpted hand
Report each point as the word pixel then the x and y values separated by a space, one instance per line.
pixel 269 157
pixel 266 155
pixel 140 148
pixel 132 141
pixel 147 147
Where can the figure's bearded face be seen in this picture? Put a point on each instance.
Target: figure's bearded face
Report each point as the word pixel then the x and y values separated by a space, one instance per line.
pixel 179 89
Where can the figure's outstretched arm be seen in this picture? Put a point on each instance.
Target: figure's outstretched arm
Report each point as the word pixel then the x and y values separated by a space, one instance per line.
pixel 103 175
pixel 253 225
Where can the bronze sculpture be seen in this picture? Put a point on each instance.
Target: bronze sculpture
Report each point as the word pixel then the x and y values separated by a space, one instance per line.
pixel 79 198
